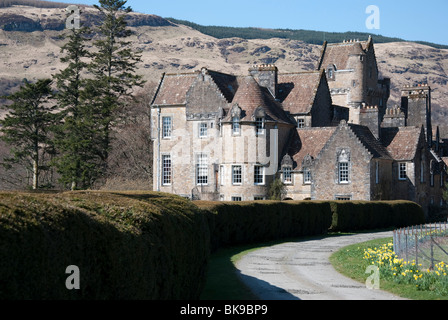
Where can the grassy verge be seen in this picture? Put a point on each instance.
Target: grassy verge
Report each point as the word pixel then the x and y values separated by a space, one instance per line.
pixel 222 281
pixel 349 262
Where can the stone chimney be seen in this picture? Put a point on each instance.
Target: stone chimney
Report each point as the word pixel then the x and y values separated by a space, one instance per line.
pixel 369 117
pixel 267 76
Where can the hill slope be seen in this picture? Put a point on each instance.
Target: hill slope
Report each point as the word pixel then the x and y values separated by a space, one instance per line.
pixel 32 50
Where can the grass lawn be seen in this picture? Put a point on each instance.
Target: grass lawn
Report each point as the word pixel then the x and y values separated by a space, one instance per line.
pixel 349 262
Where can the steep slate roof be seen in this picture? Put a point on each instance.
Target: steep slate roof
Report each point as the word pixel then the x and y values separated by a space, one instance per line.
pixel 251 96
pixel 227 83
pixel 401 142
pixel 375 147
pixel 308 141
pixel 173 89
pixel 297 91
pixel 338 53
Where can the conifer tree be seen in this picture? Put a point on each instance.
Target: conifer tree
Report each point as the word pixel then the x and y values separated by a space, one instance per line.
pixel 26 127
pixel 113 68
pixel 75 136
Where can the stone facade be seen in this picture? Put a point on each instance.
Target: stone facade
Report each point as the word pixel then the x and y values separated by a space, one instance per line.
pixel 328 134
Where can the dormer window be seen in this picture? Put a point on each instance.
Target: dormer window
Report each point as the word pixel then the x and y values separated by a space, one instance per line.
pixel 259 125
pixel 330 71
pixel 236 128
pixel 287 174
pixel 306 175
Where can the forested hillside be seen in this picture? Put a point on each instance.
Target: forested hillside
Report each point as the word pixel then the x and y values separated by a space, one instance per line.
pixel 308 36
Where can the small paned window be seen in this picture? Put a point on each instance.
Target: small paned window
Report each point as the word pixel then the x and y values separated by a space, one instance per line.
pixel 237 175
pixel 166 170
pixel 306 176
pixel 202 169
pixel 259 175
pixel 236 128
pixel 287 175
pixel 402 174
pixel 259 124
pixel 167 127
pixel 203 130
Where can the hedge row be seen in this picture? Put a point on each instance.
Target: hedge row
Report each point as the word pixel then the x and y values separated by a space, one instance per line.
pixel 365 215
pixel 233 223
pixel 152 246
pixel 126 247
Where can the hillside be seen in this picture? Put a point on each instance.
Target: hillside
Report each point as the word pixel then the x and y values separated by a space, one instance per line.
pixel 30 48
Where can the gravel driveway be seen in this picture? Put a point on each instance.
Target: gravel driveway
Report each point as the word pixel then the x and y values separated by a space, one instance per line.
pixel 301 270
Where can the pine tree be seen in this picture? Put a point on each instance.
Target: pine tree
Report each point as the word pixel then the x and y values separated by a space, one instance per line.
pixel 75 136
pixel 26 127
pixel 114 70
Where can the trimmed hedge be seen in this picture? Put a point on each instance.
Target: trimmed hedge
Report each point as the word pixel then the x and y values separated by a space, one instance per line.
pixel 151 246
pixel 234 223
pixel 365 215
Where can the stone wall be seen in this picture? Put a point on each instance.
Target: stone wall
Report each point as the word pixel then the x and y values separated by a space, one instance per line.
pixel 325 173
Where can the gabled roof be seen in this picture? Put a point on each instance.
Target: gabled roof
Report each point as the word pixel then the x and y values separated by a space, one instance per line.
pixel 297 91
pixel 250 96
pixel 308 142
pixel 402 142
pixel 173 89
pixel 338 53
pixel 373 145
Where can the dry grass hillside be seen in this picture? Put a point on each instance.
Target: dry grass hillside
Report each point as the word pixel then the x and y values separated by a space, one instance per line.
pixel 35 52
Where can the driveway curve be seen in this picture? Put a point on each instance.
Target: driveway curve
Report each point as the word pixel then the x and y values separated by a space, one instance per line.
pixel 302 271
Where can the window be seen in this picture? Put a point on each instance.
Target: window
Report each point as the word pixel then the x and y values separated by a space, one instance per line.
pixel 221 175
pixel 306 176
pixel 259 198
pixel 202 169
pixel 237 198
pixel 237 175
pixel 432 179
pixel 300 123
pixel 287 175
pixel 259 124
pixel 344 167
pixel 402 174
pixel 167 127
pixel 343 172
pixel 166 170
pixel 343 198
pixel 330 73
pixel 259 175
pixel 236 126
pixel 377 172
pixel 203 128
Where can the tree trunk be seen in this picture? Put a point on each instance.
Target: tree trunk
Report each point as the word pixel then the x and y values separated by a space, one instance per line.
pixel 35 174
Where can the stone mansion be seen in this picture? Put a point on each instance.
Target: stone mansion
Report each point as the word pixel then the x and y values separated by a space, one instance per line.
pixel 328 134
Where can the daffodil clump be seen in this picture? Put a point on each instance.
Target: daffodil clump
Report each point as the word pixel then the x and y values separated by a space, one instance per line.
pixel 408 272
